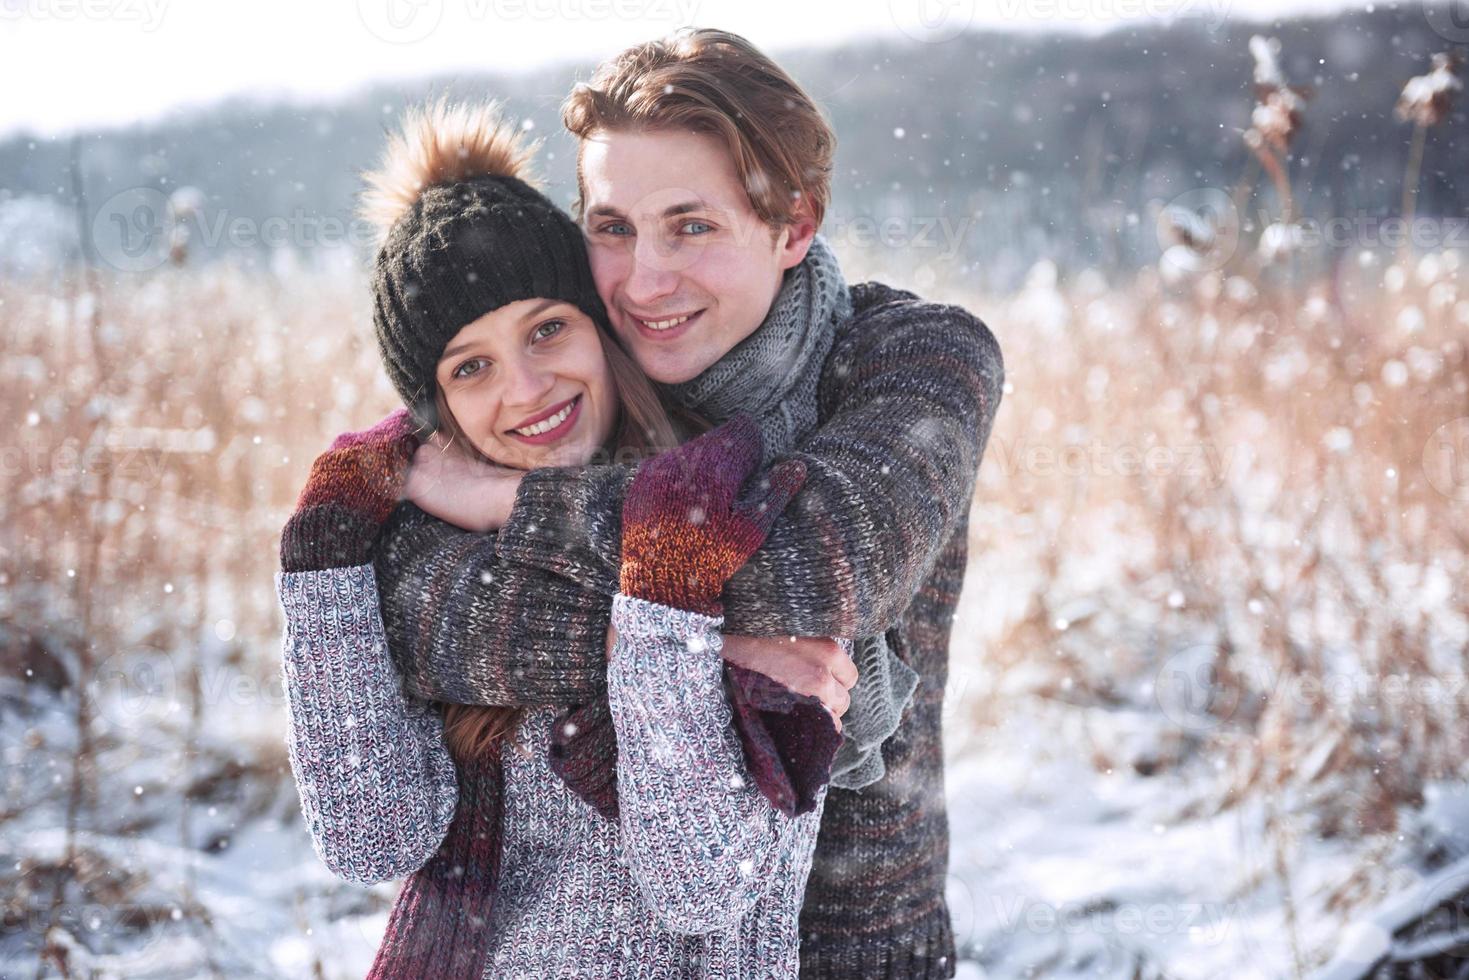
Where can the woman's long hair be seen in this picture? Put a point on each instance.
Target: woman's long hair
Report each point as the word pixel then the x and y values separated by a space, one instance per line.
pixel 644 428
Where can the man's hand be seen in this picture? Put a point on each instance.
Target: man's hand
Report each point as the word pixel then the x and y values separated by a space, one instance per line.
pixel 455 487
pixel 814 665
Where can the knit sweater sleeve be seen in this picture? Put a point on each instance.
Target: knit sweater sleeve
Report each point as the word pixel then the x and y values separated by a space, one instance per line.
pixel 376 781
pixel 465 627
pixel 700 839
pixel 907 400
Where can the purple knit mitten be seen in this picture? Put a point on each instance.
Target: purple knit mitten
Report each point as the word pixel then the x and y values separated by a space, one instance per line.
pixel 685 527
pixel 352 489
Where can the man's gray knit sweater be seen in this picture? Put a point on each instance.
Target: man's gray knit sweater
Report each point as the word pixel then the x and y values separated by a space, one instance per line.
pixel 702 878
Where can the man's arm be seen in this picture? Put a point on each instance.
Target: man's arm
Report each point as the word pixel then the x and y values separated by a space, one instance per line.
pixel 521 617
pixel 909 395
pixel 445 593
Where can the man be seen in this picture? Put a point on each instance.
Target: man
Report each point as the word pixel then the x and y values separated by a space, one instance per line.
pixel 704 175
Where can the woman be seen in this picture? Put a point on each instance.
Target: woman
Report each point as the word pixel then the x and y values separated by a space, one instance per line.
pixel 689 857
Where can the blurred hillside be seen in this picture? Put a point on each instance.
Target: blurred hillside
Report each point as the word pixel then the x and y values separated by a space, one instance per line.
pixel 975 156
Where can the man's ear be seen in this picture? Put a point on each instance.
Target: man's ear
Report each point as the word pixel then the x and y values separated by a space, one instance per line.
pixel 795 239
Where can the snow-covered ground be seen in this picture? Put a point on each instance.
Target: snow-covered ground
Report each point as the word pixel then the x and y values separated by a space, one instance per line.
pixel 1058 868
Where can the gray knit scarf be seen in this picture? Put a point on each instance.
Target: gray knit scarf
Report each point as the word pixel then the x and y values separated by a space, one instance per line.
pixel 773 374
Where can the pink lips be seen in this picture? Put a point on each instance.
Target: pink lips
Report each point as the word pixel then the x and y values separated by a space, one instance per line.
pixel 552 435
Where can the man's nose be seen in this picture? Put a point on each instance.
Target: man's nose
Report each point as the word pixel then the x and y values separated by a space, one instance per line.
pixel 654 274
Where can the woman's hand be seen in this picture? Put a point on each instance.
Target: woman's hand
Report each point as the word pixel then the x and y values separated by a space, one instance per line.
pixel 813 665
pixel 455 487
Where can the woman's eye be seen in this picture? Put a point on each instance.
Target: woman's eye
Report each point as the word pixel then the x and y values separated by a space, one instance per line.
pixel 549 329
pixel 460 371
pixel 696 228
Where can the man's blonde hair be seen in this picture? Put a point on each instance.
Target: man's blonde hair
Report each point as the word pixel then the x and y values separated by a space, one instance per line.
pixel 715 82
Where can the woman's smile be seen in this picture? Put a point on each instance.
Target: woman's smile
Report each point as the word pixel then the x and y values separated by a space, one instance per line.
pixel 551 425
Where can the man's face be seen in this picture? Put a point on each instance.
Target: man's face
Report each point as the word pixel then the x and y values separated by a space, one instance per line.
pixel 684 265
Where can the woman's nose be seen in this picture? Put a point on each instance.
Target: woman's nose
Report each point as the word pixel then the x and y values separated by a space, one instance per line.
pixel 527 384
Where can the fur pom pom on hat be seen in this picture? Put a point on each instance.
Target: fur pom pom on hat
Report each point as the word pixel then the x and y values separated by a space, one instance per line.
pixel 462 232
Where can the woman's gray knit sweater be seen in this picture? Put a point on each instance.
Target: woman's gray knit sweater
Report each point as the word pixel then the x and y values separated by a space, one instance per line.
pixel 702 878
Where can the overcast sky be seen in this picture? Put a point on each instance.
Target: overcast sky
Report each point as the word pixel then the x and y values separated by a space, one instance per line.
pixel 71 63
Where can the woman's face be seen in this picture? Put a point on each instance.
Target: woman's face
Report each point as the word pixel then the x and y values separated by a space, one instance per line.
pixel 529 385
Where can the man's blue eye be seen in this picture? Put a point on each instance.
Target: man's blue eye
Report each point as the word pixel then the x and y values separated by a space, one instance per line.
pixel 616 228
pixel 704 225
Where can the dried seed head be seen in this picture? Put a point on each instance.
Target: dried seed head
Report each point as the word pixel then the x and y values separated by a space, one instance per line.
pixel 1428 99
pixel 1276 119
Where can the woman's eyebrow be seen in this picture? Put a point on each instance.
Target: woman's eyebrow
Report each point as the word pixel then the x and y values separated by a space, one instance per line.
pixel 538 309
pixel 451 351
pixel 529 314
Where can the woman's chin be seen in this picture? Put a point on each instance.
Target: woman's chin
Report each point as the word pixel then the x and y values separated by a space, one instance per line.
pixel 535 457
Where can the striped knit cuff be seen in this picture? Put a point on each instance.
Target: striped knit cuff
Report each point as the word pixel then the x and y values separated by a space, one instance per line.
pixel 696 633
pixel 884 689
pixel 333 605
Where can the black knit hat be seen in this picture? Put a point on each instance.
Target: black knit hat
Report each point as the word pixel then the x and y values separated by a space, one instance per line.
pixel 466 236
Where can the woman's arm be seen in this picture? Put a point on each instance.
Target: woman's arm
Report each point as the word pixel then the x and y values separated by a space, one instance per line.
pixel 376 782
pixel 701 840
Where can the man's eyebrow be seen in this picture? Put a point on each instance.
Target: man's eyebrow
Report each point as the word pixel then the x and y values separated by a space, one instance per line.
pixel 673 210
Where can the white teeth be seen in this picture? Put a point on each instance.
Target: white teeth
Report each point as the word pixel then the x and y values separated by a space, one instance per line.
pixel 546 425
pixel 665 324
